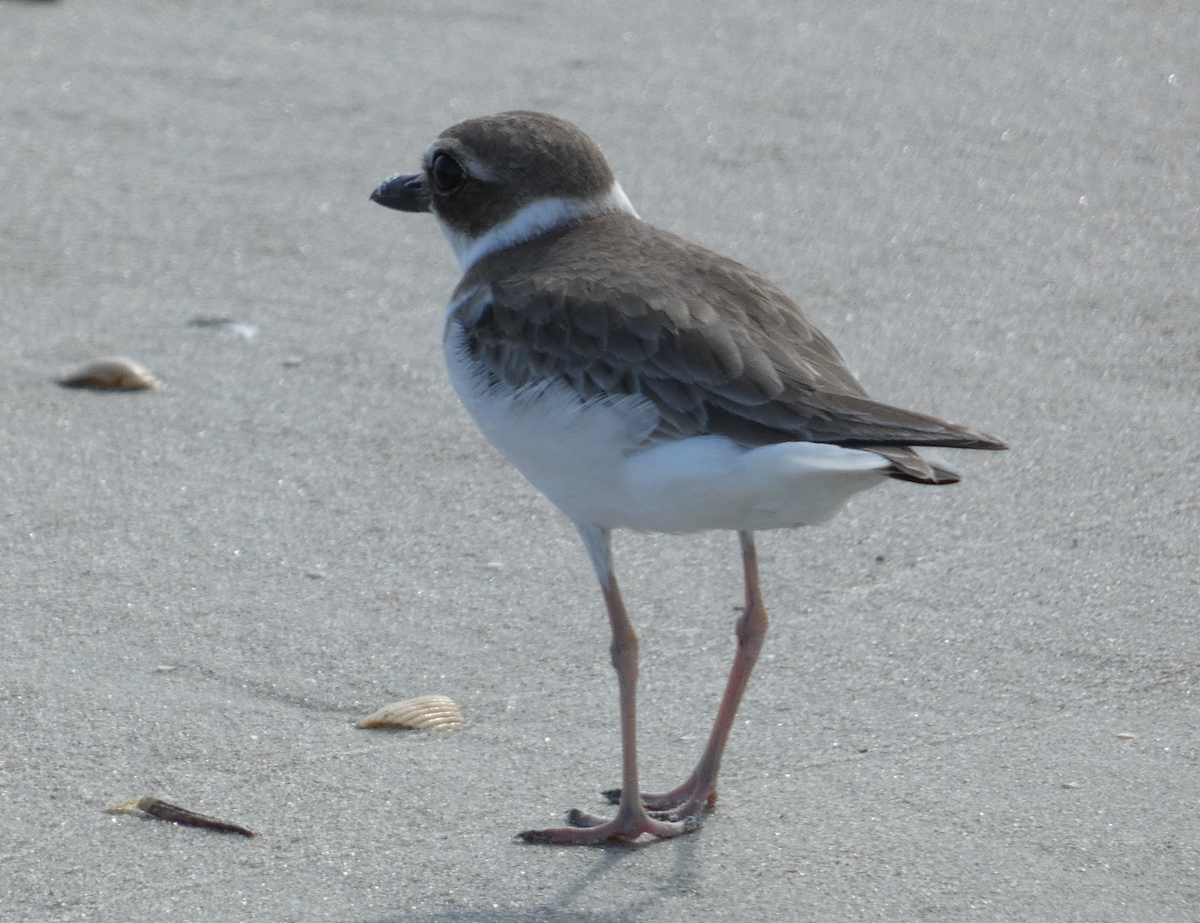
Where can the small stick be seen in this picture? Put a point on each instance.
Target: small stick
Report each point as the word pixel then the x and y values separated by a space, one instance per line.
pixel 172 812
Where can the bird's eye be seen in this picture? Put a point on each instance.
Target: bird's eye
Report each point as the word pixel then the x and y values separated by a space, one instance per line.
pixel 447 174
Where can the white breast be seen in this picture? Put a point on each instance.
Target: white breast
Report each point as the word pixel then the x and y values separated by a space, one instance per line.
pixel 592 460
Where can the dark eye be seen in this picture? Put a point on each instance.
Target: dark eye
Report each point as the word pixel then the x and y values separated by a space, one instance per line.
pixel 447 174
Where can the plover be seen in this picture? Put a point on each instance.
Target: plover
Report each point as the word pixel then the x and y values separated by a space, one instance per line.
pixel 641 381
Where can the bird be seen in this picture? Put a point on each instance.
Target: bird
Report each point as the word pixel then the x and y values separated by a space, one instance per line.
pixel 643 382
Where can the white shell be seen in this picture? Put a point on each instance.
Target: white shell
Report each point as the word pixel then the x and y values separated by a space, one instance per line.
pixel 424 713
pixel 113 374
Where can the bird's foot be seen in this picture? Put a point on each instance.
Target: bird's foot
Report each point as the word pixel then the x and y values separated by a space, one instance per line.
pixel 627 826
pixel 688 800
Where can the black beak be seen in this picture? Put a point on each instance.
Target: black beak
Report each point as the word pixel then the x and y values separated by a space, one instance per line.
pixel 404 193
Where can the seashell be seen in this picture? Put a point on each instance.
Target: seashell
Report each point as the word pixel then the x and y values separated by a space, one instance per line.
pixel 114 374
pixel 125 807
pixel 424 713
pixel 147 804
pixel 240 331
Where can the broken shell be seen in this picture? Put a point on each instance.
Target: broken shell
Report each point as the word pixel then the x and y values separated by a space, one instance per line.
pixel 115 374
pixel 125 807
pixel 240 331
pixel 155 807
pixel 424 713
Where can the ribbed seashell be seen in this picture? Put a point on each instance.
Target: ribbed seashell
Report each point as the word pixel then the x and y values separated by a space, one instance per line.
pixel 424 713
pixel 113 374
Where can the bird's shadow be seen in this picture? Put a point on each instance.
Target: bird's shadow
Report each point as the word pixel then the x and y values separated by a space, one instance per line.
pixel 570 905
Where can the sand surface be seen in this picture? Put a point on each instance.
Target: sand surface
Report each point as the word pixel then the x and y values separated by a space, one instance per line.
pixel 993 209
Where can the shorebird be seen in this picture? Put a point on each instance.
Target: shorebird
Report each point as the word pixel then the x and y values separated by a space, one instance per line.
pixel 641 381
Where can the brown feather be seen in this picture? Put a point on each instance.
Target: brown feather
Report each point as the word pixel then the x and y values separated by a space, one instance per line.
pixel 614 305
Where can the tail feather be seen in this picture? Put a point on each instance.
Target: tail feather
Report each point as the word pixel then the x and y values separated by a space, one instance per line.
pixel 907 465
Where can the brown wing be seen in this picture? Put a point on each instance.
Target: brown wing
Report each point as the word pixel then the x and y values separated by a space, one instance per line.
pixel 713 344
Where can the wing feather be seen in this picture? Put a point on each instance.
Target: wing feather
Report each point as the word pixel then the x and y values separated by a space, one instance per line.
pixel 713 344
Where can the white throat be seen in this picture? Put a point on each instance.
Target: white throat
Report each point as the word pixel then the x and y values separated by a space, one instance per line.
pixel 533 220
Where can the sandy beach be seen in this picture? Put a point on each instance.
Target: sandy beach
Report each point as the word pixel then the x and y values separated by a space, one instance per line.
pixel 974 703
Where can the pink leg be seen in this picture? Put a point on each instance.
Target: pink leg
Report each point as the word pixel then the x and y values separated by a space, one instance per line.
pixel 632 819
pixel 700 789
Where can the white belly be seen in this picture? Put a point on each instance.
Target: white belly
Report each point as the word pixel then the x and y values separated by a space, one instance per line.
pixel 591 459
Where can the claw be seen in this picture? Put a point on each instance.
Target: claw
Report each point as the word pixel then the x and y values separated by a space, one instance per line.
pixel 578 818
pixel 535 836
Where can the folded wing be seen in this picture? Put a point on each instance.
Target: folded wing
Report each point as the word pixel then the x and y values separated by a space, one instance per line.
pixel 715 346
